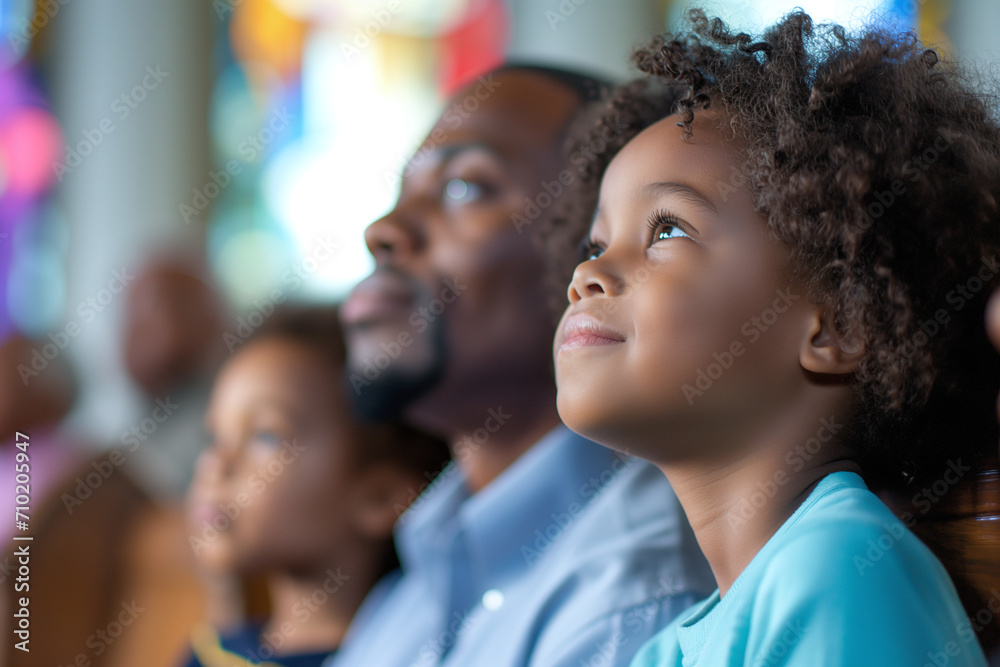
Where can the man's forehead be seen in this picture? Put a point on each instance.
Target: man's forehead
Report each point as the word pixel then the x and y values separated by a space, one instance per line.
pixel 449 151
pixel 518 105
pixel 517 117
pixel 433 156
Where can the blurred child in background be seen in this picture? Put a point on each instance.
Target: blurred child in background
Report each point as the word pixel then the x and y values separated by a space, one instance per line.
pixel 294 488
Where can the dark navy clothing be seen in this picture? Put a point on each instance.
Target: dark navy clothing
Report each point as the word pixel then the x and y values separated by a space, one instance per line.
pixel 245 647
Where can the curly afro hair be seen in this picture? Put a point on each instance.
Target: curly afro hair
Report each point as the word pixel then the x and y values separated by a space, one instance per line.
pixel 878 165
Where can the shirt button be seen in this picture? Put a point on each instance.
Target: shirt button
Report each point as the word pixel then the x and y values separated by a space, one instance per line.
pixel 492 599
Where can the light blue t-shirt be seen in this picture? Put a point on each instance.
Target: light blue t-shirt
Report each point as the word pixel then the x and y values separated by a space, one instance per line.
pixel 574 556
pixel 842 583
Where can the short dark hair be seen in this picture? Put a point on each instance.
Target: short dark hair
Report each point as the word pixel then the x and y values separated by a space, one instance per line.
pixel 588 87
pixel 389 442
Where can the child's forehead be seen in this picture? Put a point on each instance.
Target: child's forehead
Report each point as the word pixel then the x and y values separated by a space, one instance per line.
pixel 661 153
pixel 276 364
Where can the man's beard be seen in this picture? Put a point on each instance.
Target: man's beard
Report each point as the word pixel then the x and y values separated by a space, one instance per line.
pixel 387 396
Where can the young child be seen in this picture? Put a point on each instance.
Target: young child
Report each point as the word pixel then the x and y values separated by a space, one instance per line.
pixel 783 289
pixel 294 488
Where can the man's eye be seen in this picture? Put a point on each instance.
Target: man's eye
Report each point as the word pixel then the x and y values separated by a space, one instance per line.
pixel 462 191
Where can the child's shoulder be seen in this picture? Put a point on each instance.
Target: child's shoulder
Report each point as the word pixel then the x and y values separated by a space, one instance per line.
pixel 844 537
pixel 845 563
pixel 843 582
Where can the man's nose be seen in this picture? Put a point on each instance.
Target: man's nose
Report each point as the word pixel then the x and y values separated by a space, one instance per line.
pixel 393 237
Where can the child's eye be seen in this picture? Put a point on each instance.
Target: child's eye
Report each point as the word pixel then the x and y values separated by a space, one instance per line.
pixel 267 437
pixel 665 226
pixel 589 250
pixel 462 191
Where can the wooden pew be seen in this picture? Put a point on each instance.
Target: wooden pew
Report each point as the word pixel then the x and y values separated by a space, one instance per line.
pixel 963 530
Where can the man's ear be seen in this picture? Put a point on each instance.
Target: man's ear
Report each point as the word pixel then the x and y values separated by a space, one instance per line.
pixel 381 495
pixel 825 350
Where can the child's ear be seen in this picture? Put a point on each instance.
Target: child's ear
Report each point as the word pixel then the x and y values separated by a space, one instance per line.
pixel 825 350
pixel 381 496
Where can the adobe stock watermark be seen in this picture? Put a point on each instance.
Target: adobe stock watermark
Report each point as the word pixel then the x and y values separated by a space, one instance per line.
pixel 223 7
pixel 102 638
pixel 912 169
pixel 139 433
pixel 923 501
pixel 431 652
pixel 121 108
pixel 790 635
pixel 303 608
pixel 363 35
pixel 635 620
pixel 546 537
pixel 453 117
pixel 249 150
pixel 416 493
pixel 420 319
pixel 796 459
pixel 968 628
pixel 604 652
pixel 258 481
pixel 323 251
pixel 956 299
pixel 87 311
pixel 461 449
pixel 45 11
pixel 434 480
pixel 550 191
pixel 563 11
pixel 753 329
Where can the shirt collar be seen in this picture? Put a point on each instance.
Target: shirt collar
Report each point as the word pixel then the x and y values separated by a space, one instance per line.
pixel 527 506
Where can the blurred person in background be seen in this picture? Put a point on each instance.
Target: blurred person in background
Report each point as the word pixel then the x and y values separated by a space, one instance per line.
pixel 175 320
pixel 109 528
pixel 89 524
pixel 293 488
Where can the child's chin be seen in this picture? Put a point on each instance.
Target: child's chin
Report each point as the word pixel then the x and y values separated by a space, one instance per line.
pixel 584 422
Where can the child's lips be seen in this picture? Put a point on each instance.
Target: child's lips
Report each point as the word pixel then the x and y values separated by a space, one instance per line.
pixel 202 515
pixel 582 330
pixel 205 512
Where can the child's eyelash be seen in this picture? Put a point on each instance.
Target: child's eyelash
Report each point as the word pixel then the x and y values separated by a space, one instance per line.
pixel 657 220
pixel 660 218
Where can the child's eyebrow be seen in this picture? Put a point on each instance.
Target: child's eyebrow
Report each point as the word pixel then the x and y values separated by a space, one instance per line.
pixel 684 192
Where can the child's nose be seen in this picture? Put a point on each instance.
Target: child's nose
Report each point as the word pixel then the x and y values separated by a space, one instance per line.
pixel 590 279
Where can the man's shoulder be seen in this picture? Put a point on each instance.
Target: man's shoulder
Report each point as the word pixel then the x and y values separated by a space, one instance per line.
pixel 629 547
pixel 631 508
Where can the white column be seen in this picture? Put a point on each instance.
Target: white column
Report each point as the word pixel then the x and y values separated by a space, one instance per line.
pixel 592 35
pixel 131 79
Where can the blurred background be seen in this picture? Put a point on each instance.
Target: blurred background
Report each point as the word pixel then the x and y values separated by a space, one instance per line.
pixel 255 139
pixel 169 170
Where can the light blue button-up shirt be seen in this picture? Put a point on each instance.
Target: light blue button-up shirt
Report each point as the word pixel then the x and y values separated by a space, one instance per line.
pixel 574 556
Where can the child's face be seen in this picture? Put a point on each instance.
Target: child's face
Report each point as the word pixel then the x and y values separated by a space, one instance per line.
pixel 684 321
pixel 276 480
